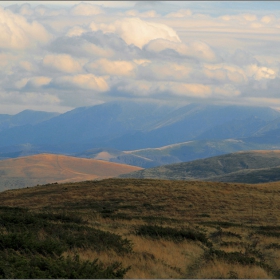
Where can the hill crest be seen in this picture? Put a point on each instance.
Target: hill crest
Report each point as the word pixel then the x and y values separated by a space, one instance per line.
pixel 48 168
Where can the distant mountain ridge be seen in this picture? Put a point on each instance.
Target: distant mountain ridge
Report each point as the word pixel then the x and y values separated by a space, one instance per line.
pixel 126 127
pixel 25 117
pixel 243 167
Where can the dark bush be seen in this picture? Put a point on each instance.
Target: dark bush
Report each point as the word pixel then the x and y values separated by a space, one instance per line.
pixel 171 233
pixel 39 267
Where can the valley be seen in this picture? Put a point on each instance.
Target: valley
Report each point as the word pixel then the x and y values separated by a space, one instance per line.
pixel 107 192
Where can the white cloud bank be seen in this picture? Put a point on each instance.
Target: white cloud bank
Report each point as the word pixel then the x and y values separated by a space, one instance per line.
pixel 17 33
pixel 82 53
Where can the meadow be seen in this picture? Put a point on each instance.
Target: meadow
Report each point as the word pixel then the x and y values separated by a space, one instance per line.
pixel 141 228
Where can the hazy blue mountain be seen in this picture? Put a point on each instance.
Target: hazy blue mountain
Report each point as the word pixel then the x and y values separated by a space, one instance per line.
pixel 271 137
pixel 235 129
pixel 129 126
pixel 192 121
pixel 175 153
pixel 25 117
pixel 271 125
pixel 89 126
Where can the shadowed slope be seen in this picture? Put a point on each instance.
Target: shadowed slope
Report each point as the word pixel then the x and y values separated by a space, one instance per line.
pixel 49 168
pixel 234 167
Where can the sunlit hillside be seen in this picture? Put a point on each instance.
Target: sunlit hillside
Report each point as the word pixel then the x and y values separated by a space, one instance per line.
pixel 143 229
pixel 49 168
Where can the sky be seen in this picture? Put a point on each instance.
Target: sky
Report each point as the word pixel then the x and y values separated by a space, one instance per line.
pixel 59 55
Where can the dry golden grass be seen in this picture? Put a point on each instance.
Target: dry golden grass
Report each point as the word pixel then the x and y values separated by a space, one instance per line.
pixel 216 270
pixel 230 215
pixel 48 168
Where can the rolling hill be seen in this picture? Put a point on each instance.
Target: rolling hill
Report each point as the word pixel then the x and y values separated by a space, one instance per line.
pixel 245 167
pixel 49 168
pixel 174 153
pixel 141 229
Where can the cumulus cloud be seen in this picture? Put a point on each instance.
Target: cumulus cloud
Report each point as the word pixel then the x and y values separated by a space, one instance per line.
pixel 165 71
pixel 34 82
pixel 62 62
pixel 17 33
pixel 147 14
pixel 196 49
pixel 180 13
pixel 75 31
pixel 138 32
pixel 96 51
pixel 67 54
pixel 260 72
pixel 227 90
pixel 27 65
pixel 13 102
pixel 85 9
pixel 267 19
pixel 83 81
pixel 147 88
pixel 107 67
pixel 194 90
pixel 225 72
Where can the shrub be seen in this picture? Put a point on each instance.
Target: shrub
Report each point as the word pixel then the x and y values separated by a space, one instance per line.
pixel 35 267
pixel 156 232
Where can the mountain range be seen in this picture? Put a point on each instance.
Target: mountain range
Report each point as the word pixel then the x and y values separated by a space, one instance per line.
pixel 141 134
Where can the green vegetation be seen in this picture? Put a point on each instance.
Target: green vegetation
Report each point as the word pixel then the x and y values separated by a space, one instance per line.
pixel 32 244
pixel 244 167
pixel 168 233
pixel 140 228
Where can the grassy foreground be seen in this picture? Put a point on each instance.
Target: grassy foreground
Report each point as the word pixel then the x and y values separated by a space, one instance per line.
pixel 141 228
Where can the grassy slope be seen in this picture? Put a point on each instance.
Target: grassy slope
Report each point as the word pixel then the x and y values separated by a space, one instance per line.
pixel 250 167
pixel 48 168
pixel 171 225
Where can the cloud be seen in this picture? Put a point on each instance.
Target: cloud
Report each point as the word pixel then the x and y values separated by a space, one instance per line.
pixel 195 49
pixel 147 14
pixel 7 60
pixel 260 72
pixel 26 9
pixel 165 71
pixel 75 31
pixel 240 18
pixel 180 13
pixel 267 19
pixel 225 72
pixel 194 90
pixel 17 33
pixel 242 57
pixel 27 66
pixel 95 51
pixel 85 9
pixel 74 51
pixel 82 81
pixel 116 68
pixel 62 62
pixel 227 90
pixel 34 82
pixel 138 32
pixel 146 88
pixel 32 99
